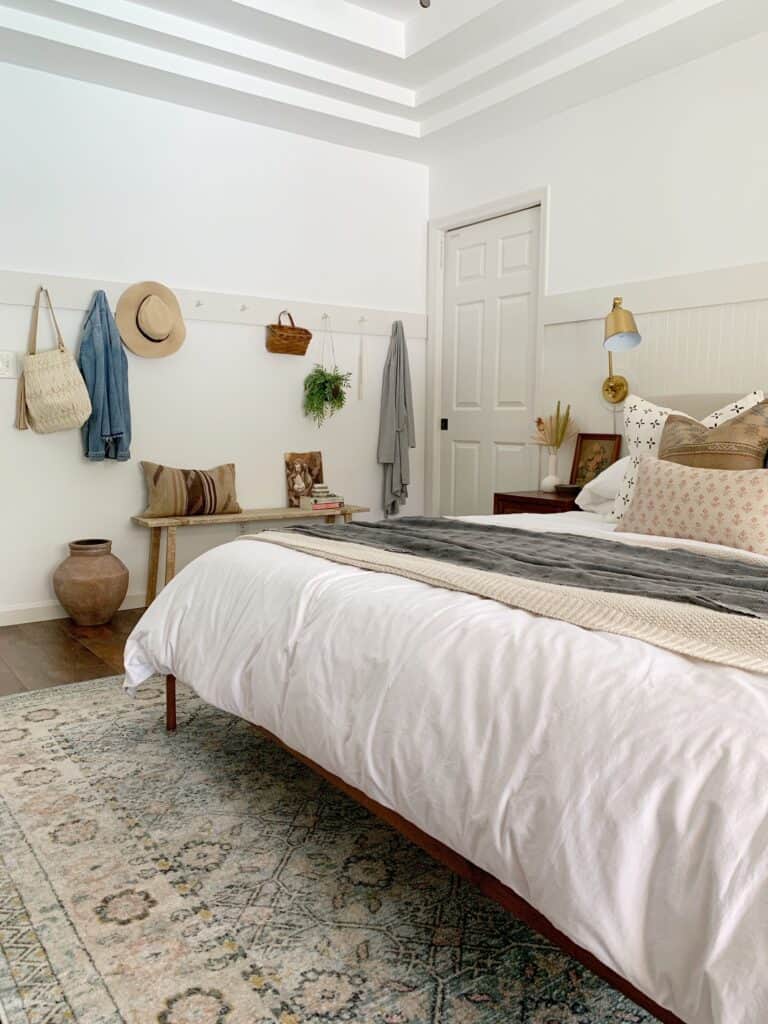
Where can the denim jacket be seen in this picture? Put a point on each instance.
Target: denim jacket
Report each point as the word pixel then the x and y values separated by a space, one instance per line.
pixel 104 365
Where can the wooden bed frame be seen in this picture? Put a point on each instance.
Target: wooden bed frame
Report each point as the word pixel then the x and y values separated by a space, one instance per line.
pixel 487 884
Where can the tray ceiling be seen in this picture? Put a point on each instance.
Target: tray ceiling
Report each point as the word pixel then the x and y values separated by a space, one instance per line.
pixel 384 75
pixel 401 9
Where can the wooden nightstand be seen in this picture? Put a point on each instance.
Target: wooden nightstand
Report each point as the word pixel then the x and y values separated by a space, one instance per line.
pixel 532 501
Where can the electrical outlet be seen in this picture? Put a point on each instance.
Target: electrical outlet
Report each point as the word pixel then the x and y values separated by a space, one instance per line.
pixel 8 365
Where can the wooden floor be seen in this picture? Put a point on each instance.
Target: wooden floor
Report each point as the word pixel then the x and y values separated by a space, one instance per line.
pixel 40 654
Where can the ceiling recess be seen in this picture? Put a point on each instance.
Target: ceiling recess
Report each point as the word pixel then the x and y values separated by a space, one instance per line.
pixel 375 74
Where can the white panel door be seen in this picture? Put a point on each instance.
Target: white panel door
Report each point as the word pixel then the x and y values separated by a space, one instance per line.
pixel 489 337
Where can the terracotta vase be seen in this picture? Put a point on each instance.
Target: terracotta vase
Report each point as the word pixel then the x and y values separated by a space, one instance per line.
pixel 91 583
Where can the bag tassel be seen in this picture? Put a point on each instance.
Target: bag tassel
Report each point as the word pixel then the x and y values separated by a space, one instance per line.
pixel 22 423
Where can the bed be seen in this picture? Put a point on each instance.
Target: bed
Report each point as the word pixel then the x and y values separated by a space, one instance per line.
pixel 610 791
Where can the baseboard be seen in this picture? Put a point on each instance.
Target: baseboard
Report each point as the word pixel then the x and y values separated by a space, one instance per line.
pixel 42 611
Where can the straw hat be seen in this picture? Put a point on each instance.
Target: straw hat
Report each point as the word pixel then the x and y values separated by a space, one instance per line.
pixel 149 319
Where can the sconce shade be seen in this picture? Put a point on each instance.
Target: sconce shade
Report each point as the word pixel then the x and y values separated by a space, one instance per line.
pixel 621 331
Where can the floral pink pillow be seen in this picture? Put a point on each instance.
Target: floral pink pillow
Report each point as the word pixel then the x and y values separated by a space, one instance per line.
pixel 719 506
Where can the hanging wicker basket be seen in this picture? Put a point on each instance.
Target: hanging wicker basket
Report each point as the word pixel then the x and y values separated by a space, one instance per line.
pixel 288 340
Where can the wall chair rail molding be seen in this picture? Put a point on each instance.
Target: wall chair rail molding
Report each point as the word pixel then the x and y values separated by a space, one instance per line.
pixel 17 288
pixel 722 287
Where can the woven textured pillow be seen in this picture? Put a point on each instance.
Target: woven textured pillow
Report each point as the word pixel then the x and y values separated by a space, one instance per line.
pixel 190 492
pixel 740 443
pixel 729 508
pixel 643 426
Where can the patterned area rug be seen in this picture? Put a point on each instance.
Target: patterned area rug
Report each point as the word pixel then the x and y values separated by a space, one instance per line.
pixel 209 878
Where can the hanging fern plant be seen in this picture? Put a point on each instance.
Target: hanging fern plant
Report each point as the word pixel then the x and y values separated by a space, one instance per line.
pixel 325 392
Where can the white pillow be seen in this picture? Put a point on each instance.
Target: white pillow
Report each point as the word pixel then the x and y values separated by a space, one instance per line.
pixel 599 495
pixel 643 427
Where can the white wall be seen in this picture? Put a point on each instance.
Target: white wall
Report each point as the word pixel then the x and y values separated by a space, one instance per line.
pixel 664 177
pixel 98 183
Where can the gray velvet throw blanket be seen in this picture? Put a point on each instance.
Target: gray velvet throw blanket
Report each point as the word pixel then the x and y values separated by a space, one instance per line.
pixel 719 584
pixel 703 606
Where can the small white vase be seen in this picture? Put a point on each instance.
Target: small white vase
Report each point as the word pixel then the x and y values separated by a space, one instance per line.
pixel 551 480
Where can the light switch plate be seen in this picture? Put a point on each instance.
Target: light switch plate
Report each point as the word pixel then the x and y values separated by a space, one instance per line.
pixel 8 365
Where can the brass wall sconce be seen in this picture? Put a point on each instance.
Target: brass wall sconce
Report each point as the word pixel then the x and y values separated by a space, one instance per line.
pixel 621 334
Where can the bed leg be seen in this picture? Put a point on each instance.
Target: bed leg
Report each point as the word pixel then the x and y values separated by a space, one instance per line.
pixel 170 703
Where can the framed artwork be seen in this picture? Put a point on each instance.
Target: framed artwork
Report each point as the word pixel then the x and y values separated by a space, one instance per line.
pixel 594 453
pixel 302 471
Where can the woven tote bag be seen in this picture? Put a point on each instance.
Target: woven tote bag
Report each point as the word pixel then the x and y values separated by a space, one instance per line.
pixel 52 393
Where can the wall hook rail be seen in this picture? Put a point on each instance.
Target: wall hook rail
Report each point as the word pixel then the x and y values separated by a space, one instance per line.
pixel 17 288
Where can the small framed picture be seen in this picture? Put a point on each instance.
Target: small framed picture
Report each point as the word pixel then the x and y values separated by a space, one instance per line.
pixel 302 471
pixel 594 453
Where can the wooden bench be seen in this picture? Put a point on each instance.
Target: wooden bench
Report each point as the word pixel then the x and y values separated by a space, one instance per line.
pixel 157 524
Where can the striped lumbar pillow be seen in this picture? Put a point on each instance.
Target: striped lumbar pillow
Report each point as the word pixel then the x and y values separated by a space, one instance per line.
pixel 190 492
pixel 739 443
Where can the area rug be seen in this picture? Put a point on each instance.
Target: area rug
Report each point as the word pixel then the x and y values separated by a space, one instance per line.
pixel 209 878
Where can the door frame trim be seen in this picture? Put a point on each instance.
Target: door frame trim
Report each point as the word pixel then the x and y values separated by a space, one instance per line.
pixel 438 228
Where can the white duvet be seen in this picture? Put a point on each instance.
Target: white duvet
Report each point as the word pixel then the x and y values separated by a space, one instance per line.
pixel 619 788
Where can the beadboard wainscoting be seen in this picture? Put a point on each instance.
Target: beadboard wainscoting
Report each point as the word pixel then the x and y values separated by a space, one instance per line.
pixel 221 398
pixel 702 334
pixel 225 212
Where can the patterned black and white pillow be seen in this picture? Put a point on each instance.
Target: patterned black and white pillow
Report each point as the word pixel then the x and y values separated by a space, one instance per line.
pixel 734 409
pixel 643 426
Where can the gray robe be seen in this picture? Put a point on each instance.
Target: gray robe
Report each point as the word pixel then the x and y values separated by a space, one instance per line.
pixel 396 429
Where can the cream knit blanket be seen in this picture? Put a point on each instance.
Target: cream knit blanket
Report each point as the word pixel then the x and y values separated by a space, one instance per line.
pixel 734 640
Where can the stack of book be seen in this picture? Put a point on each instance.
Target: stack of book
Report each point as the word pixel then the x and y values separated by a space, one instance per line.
pixel 321 500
